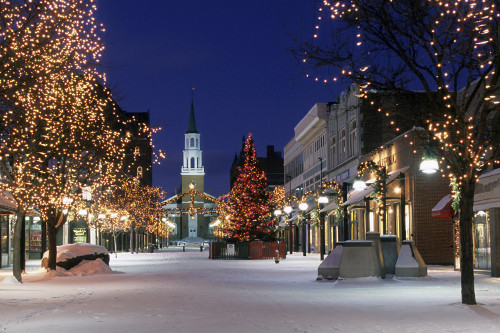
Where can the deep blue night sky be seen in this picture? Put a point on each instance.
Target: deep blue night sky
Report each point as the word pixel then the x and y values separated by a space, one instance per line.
pixel 233 52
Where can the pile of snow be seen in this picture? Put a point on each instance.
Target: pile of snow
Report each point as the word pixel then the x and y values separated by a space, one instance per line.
pixel 71 256
pixel 68 251
pixel 85 267
pixel 10 280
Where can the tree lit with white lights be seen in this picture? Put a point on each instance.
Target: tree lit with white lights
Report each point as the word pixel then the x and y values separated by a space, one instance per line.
pixel 57 132
pixel 447 49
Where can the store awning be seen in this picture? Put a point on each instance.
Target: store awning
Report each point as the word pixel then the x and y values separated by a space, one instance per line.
pixel 391 176
pixel 294 217
pixel 357 196
pixel 329 207
pixel 443 208
pixel 7 203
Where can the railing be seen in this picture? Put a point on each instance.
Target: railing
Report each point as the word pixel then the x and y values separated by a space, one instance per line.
pixel 266 250
pixel 251 250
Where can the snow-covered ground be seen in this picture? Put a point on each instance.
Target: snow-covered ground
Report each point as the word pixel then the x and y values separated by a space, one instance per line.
pixel 175 291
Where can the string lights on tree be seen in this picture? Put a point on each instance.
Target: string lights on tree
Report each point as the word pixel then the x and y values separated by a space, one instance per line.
pixel 57 134
pixel 446 50
pixel 248 206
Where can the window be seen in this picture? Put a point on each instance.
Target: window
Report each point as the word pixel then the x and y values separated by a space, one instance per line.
pixel 342 145
pixel 137 151
pixel 353 138
pixel 192 142
pixel 192 162
pixel 332 151
pixel 139 172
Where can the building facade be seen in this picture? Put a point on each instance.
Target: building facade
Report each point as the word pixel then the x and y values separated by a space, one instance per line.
pixel 333 139
pixel 487 222
pixel 271 164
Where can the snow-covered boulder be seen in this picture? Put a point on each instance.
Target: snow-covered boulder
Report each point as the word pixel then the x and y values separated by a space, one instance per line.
pixel 71 255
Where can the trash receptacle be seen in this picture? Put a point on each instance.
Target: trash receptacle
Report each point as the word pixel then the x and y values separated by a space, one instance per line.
pixel 151 248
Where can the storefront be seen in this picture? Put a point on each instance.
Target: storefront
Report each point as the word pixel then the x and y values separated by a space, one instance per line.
pixel 33 237
pixel 487 222
pixel 402 207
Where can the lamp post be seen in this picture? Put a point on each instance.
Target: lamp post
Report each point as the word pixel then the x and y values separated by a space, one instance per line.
pixel 288 210
pixel 303 207
pixel 277 213
pixel 164 220
pixel 402 208
pixel 321 200
pixel 345 187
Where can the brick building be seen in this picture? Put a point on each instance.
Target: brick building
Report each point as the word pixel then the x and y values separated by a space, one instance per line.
pixel 271 164
pixel 401 159
pixel 329 144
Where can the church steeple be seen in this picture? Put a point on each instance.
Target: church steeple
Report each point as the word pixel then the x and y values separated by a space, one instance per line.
pixel 192 166
pixel 192 121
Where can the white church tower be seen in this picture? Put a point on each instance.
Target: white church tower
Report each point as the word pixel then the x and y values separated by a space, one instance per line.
pixel 192 171
pixel 192 154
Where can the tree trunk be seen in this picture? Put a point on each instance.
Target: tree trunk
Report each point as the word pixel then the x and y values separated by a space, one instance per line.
pixel 17 266
pixel 466 242
pixel 132 238
pixel 114 238
pixel 51 233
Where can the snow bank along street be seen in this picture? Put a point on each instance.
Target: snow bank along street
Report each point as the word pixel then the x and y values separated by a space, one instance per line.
pixel 175 291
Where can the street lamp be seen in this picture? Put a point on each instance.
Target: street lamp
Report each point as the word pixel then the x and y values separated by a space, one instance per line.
pixel 321 201
pixel 277 213
pixel 303 207
pixel 359 185
pixel 429 164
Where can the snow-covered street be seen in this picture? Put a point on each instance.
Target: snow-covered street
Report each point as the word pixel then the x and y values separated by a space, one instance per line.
pixel 175 291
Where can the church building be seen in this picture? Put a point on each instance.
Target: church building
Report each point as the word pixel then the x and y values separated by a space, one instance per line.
pixel 193 209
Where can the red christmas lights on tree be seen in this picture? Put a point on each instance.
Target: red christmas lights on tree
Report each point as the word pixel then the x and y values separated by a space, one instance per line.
pixel 249 207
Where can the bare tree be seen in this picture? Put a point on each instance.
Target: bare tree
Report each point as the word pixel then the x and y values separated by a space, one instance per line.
pixel 447 49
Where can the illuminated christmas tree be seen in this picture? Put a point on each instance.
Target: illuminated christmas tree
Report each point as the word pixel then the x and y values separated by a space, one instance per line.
pixel 248 208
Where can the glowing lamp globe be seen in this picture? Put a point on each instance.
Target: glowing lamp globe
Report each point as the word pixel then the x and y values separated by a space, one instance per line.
pixel 323 200
pixel 359 185
pixel 429 166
